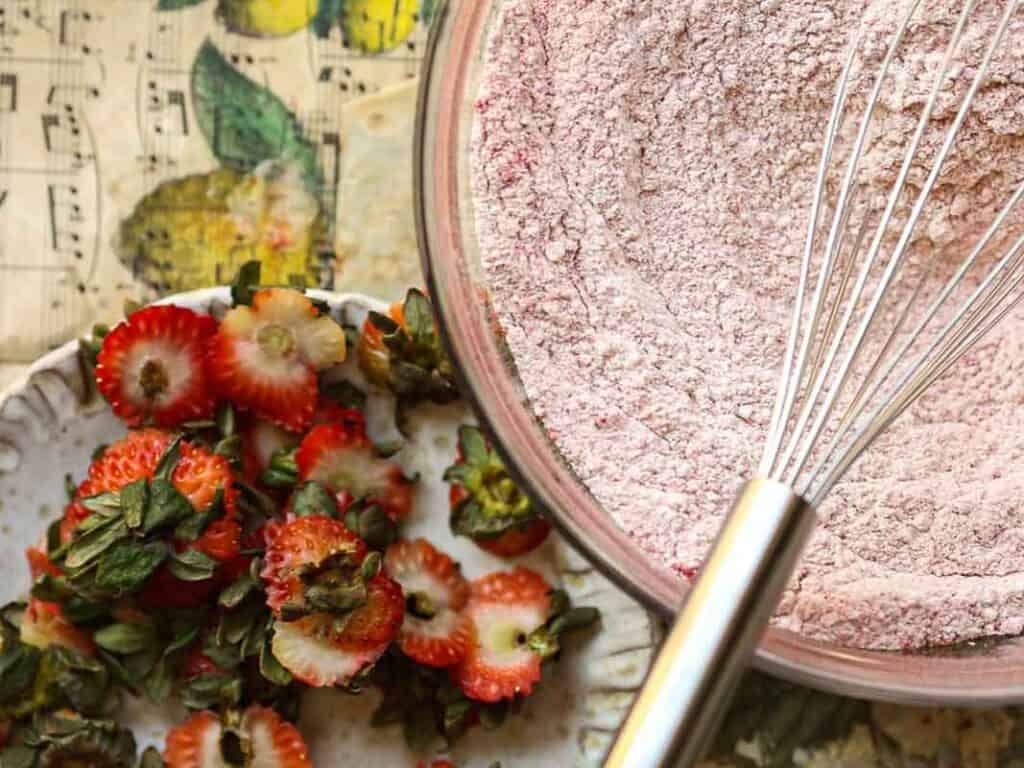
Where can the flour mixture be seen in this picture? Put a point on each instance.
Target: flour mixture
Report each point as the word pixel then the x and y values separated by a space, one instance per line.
pixel 642 174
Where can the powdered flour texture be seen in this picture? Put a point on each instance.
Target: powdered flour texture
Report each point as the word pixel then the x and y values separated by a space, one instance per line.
pixel 642 173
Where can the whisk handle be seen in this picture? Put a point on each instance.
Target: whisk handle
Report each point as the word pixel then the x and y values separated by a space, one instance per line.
pixel 691 682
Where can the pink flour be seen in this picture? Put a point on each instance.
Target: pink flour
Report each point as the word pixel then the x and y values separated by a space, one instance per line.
pixel 642 173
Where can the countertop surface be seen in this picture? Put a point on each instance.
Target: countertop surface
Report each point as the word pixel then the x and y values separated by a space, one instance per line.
pixel 130 167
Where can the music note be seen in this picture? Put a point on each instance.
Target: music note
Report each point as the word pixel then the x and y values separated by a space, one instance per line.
pixel 68 26
pixel 50 122
pixel 176 100
pixel 332 141
pixel 64 240
pixel 8 86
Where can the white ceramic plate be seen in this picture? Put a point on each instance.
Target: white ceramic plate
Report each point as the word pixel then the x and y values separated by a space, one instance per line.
pixel 50 422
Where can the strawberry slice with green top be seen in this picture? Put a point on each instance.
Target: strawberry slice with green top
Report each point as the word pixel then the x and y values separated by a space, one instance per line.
pixel 435 632
pixel 259 738
pixel 264 358
pixel 505 608
pixel 308 552
pixel 151 368
pixel 145 492
pixel 402 351
pixel 486 503
pixel 336 614
pixel 44 624
pixel 323 649
pixel 342 457
pixel 518 622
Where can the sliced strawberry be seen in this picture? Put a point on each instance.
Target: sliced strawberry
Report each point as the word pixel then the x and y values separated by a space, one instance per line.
pixel 222 540
pixel 261 739
pixel 261 439
pixel 44 625
pixel 505 608
pixel 435 764
pixel 435 631
pixel 328 642
pixel 305 649
pixel 74 513
pixel 195 743
pixel 276 743
pixel 200 473
pixel 264 358
pixel 517 541
pixel 131 458
pixel 486 504
pixel 342 457
pixel 151 367
pixel 39 561
pixel 374 358
pixel 302 545
pixel 376 623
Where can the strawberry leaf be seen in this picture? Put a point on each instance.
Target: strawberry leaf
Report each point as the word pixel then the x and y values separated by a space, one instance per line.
pixel 159 681
pixel 243 122
pixel 83 681
pixel 89 546
pixel 344 393
pixel 283 472
pixel 125 639
pixel 419 317
pixel 271 668
pixel 312 499
pixel 475 450
pixel 102 503
pixel 212 692
pixel 168 461
pixel 234 594
pixel 167 506
pixel 373 525
pixel 192 565
pixel 193 526
pixel 126 566
pixel 18 665
pixel 134 498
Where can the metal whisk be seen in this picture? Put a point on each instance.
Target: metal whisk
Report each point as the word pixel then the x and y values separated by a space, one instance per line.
pixel 859 352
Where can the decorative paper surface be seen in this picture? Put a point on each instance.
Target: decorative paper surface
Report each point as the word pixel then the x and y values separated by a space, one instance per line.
pixel 150 146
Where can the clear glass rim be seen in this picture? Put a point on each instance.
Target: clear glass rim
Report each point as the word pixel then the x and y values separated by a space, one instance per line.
pixel 983 674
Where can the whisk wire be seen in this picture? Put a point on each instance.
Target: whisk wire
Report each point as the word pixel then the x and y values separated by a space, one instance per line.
pixel 1008 277
pixel 802 441
pixel 792 387
pixel 876 382
pixel 817 401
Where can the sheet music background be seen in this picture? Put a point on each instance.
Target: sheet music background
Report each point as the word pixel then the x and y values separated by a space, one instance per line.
pixel 97 110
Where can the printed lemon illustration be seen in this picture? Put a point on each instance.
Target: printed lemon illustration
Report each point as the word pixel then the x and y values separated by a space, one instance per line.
pixel 198 230
pixel 375 26
pixel 267 18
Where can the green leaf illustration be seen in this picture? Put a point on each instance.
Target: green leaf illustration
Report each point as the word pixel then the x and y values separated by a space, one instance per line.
pixel 327 15
pixel 243 122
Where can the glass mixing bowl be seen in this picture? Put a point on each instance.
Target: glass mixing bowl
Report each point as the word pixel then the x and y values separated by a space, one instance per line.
pixel 982 673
